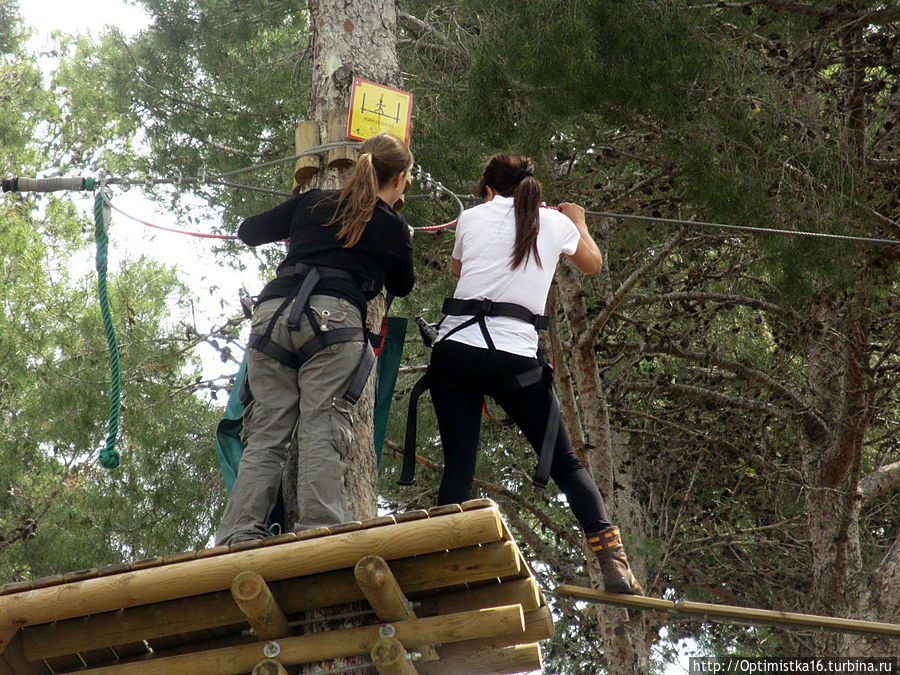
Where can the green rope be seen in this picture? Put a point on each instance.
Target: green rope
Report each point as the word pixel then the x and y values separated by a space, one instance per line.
pixel 109 456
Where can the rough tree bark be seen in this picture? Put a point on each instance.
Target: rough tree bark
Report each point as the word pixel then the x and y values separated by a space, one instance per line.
pixel 354 38
pixel 840 394
pixel 348 39
pixel 627 636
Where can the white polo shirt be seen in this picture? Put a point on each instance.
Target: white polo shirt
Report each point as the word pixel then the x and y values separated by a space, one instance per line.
pixel 485 236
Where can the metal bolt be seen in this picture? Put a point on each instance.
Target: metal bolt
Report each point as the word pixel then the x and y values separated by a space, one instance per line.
pixel 386 630
pixel 272 649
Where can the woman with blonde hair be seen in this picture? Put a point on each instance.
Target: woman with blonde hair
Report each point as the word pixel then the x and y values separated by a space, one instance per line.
pixel 309 355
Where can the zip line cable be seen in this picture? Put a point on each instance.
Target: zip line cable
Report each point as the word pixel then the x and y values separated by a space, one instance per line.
pixel 109 456
pixel 748 228
pixel 202 235
pixel 436 188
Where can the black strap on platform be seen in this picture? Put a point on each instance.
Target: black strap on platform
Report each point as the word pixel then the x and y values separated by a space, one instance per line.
pixel 408 473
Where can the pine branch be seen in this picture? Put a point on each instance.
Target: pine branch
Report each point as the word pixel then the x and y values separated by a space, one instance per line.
pixel 428 29
pixel 29 525
pixel 663 252
pixel 724 299
pixel 750 374
pixel 876 483
pixel 710 396
pixel 875 17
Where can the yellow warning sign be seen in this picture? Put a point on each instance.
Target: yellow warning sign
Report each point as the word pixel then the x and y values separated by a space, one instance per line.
pixel 375 108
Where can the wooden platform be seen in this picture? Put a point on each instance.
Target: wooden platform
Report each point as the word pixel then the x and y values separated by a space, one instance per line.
pixel 439 591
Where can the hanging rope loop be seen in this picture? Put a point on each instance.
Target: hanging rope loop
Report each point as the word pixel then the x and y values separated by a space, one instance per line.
pixel 109 456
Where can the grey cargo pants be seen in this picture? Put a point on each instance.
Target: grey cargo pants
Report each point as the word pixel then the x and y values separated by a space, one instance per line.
pixel 303 409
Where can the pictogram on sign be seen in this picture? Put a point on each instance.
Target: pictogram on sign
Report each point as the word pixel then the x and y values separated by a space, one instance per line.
pixel 375 108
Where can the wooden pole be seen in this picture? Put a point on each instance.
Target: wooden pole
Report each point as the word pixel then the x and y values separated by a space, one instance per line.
pixel 330 645
pixel 390 658
pixel 186 615
pixel 207 575
pixel 516 659
pixel 381 589
pixel 306 136
pixel 269 667
pixel 256 602
pixel 383 592
pixel 748 614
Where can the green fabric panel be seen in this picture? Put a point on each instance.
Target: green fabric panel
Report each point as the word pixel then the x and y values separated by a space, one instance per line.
pixel 228 431
pixel 387 368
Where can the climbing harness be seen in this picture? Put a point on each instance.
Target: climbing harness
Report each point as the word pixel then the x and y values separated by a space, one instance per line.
pixel 478 311
pixel 309 277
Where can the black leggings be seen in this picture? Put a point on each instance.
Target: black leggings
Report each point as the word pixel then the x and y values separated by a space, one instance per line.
pixel 461 375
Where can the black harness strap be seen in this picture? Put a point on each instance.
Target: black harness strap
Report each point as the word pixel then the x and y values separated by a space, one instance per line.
pixel 408 473
pixel 554 417
pixel 321 338
pixel 312 277
pixel 478 310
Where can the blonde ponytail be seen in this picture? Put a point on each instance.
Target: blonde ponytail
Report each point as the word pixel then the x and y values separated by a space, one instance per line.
pixel 383 158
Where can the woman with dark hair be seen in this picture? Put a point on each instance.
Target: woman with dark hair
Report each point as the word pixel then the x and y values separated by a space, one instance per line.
pixel 505 256
pixel 309 356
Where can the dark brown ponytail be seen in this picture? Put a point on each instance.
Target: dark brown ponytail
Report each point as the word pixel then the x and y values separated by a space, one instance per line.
pixel 511 175
pixel 382 158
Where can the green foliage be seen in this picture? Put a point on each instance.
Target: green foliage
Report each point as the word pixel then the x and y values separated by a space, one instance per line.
pixel 60 511
pixel 188 91
pixel 54 409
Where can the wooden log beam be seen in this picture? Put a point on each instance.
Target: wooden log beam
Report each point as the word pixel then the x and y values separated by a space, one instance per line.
pixel 6 636
pixel 390 658
pixel 207 575
pixel 381 589
pixel 538 626
pixel 383 592
pixel 620 599
pixel 523 592
pixel 736 614
pixel 186 615
pixel 256 602
pixel 414 633
pixel 793 619
pixel 13 661
pixel 515 659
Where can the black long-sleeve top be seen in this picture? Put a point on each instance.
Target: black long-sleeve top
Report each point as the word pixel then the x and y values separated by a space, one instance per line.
pixel 383 256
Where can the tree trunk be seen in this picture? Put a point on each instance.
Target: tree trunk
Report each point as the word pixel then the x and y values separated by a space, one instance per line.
pixel 832 447
pixel 627 636
pixel 350 39
pixel 353 38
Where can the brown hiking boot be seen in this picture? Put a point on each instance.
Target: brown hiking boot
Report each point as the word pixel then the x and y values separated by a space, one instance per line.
pixel 617 575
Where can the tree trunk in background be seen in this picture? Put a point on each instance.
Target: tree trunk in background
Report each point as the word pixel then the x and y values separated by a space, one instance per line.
pixel 627 636
pixel 356 38
pixel 832 445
